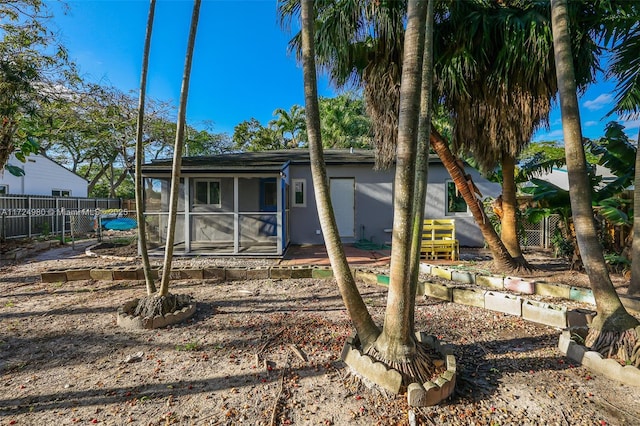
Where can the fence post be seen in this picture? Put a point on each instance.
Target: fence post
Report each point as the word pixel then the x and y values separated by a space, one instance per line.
pixel 545 232
pixel 29 216
pixel 62 233
pixel 55 215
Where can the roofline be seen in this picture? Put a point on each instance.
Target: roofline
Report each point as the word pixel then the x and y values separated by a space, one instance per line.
pixel 263 161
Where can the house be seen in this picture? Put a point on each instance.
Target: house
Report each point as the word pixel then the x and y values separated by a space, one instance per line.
pixel 559 176
pixel 42 176
pixel 257 203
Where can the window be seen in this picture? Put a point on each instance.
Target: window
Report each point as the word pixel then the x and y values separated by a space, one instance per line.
pixel 455 204
pixel 268 195
pixel 208 192
pixel 61 192
pixel 4 189
pixel 299 192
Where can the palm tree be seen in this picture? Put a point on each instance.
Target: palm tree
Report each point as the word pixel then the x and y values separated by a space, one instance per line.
pixel 142 231
pixel 164 302
pixel 396 344
pixel 361 43
pixel 499 80
pixel 624 36
pixel 290 123
pixel 363 323
pixel 501 256
pixel 634 285
pixel 422 156
pixel 613 329
pixel 177 152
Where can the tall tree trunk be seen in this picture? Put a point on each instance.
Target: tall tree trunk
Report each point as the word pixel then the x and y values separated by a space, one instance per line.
pixel 177 153
pixel 501 257
pixel 396 342
pixel 509 220
pixel 101 172
pixel 611 314
pixel 634 285
pixel 362 321
pixel 142 228
pixel 112 190
pixel 7 129
pixel 422 159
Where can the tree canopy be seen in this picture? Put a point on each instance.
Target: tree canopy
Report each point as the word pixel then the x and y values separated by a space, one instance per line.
pixel 33 68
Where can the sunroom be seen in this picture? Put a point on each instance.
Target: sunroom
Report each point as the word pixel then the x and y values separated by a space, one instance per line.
pixel 231 206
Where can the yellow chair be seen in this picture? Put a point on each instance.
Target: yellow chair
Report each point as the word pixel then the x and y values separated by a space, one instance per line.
pixel 439 240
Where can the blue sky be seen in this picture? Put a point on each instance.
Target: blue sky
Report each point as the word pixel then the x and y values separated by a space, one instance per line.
pixel 595 103
pixel 241 67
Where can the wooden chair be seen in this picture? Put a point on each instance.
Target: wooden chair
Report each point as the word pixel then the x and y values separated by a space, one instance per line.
pixel 439 239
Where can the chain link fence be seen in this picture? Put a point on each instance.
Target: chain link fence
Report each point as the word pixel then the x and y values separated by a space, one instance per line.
pixel 539 234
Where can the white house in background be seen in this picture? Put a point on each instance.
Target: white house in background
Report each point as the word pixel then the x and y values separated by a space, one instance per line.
pixel 560 178
pixel 42 176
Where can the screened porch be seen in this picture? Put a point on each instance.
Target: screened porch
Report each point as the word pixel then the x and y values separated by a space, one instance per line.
pixel 220 214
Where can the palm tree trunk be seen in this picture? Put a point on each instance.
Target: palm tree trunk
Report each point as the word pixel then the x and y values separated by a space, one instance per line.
pixel 509 221
pixel 422 159
pixel 634 285
pixel 142 228
pixel 362 321
pixel 611 313
pixel 177 153
pixel 501 256
pixel 396 342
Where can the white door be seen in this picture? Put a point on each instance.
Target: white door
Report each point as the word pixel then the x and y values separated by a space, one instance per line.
pixel 343 200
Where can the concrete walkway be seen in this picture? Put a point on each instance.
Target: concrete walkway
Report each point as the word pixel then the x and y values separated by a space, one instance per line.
pixel 316 255
pixel 67 251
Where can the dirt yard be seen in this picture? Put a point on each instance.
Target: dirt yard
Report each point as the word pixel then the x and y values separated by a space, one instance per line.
pixel 64 361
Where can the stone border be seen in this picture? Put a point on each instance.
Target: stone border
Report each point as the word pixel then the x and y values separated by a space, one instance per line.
pixel 22 252
pixel 418 394
pixel 472 295
pixel 610 368
pixel 515 285
pixel 373 371
pixel 436 391
pixel 476 295
pixel 89 252
pixel 131 322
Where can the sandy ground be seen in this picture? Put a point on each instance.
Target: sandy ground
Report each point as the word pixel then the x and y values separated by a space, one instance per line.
pixel 64 361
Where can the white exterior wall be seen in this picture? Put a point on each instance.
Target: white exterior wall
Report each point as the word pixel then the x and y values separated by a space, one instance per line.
pixel 42 176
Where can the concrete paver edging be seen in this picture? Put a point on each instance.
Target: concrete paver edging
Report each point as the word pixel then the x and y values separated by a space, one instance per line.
pixel 131 322
pixel 480 294
pixel 418 394
pixel 610 368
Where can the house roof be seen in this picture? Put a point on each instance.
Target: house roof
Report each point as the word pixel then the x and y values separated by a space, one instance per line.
pixel 261 161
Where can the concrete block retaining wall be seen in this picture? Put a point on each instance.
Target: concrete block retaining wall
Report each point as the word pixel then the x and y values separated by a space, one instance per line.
pixel 531 310
pixel 519 285
pixel 544 313
pixel 503 302
pixel 471 295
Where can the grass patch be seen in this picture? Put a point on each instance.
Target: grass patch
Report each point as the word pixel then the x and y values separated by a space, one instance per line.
pixel 191 346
